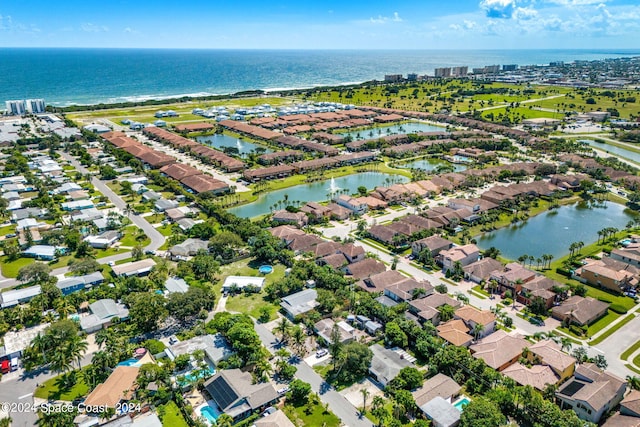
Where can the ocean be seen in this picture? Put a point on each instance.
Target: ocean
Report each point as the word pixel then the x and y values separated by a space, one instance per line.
pixel 89 76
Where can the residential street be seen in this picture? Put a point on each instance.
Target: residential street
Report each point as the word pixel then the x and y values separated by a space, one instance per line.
pixel 338 404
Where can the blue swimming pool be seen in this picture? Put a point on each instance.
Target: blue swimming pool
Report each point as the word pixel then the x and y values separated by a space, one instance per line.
pixel 461 403
pixel 210 413
pixel 194 376
pixel 128 362
pixel 265 269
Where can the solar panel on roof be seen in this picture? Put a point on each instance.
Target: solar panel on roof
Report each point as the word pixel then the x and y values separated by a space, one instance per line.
pixel 222 393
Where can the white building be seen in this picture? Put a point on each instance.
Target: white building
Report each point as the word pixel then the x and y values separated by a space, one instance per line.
pixel 35 106
pixel 15 108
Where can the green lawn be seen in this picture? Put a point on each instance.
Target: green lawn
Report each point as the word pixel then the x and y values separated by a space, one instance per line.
pixel 50 389
pixel 102 253
pixel 313 415
pixel 628 352
pixel 166 230
pixel 129 237
pixel 8 229
pixel 10 269
pixel 172 417
pixel 602 323
pixel 250 304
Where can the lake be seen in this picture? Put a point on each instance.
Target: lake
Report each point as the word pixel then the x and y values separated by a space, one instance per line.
pixel 552 232
pixel 403 128
pixel 613 149
pixel 221 140
pixel 315 191
pixel 429 165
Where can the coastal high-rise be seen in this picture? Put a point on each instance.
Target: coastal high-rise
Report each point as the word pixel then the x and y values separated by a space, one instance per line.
pixel 442 72
pixel 35 106
pixel 15 108
pixel 459 71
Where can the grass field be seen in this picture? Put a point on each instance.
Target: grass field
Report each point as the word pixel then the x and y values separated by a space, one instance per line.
pixel 51 389
pixel 628 352
pixel 313 415
pixel 10 269
pixel 171 416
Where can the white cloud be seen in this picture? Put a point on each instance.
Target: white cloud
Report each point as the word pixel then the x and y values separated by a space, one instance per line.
pixel 88 27
pixel 502 9
pixel 575 2
pixel 525 13
pixel 384 19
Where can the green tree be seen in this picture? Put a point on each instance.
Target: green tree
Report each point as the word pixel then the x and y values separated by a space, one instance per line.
pixel 187 305
pixel 36 273
pixel 146 310
pixel 298 392
pixel 482 412
pixel 394 336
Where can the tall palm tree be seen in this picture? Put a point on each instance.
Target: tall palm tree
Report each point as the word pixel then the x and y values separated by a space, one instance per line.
pixel 566 344
pixel 478 329
pixel 634 382
pixel 283 329
pixel 365 394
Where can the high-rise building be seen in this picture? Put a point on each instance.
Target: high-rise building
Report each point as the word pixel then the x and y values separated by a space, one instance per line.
pixel 442 72
pixel 412 77
pixel 492 69
pixel 459 71
pixel 16 108
pixel 510 67
pixel 35 106
pixel 393 78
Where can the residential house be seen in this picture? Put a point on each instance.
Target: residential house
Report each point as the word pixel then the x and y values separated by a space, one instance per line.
pixel 630 405
pixel 299 303
pixel 324 329
pixel 441 413
pixel 162 204
pixel 455 332
pixel 285 217
pixel 241 282
pixel 485 320
pixel 175 285
pixel 551 354
pixel 379 282
pixel 118 388
pixel 591 392
pixel 316 210
pixel 435 244
pixel 44 252
pixel 236 395
pixel 608 273
pixel 440 385
pixel 499 350
pixel 135 268
pixel 352 204
pixel 77 283
pixel 629 254
pixel 189 247
pixel 464 255
pixel 540 287
pixel 338 212
pixel 408 289
pixel 386 364
pixel 103 312
pixel 215 347
pixel 536 376
pixel 104 239
pixel 353 253
pixel 426 309
pixel 512 276
pixel 480 271
pixel 14 297
pixel 276 419
pixel 366 268
pixel 579 310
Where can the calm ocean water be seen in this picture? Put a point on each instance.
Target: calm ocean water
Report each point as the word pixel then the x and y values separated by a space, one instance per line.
pixel 88 76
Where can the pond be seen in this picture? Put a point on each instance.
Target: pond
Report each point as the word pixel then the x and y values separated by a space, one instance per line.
pixel 316 191
pixel 220 141
pixel 402 128
pixel 429 165
pixel 614 150
pixel 552 232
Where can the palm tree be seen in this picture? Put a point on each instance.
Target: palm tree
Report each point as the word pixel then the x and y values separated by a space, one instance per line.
pixel 634 382
pixel 566 344
pixel 283 329
pixel 478 329
pixel 298 339
pixel 365 394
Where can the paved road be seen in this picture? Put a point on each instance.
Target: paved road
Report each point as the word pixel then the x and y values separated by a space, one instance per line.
pixel 157 239
pixel 18 387
pixel 338 404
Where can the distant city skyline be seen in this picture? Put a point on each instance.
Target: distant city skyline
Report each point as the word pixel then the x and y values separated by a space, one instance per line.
pixel 375 24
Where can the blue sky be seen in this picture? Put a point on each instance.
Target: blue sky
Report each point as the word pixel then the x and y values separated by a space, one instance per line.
pixel 426 24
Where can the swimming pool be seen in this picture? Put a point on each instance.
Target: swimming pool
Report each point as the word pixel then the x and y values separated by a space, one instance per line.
pixel 128 362
pixel 193 377
pixel 461 403
pixel 265 269
pixel 210 413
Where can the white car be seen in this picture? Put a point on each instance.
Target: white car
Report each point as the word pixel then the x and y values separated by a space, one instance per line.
pixel 321 352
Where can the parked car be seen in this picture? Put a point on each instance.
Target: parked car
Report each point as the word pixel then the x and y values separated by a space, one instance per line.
pixel 270 410
pixel 283 390
pixel 536 321
pixel 322 352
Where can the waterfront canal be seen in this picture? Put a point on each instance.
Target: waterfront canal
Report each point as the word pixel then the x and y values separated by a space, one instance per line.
pixel 429 165
pixel 552 232
pixel 614 150
pixel 316 191
pixel 402 128
pixel 221 141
